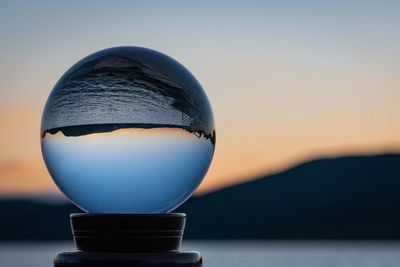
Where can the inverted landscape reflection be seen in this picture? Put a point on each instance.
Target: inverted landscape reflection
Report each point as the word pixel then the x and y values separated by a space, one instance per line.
pixel 127 130
pixel 115 86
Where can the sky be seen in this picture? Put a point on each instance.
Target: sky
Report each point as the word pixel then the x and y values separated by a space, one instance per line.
pixel 288 81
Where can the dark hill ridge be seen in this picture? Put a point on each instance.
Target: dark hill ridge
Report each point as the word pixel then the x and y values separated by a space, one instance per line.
pixel 343 198
pixel 349 197
pixel 79 130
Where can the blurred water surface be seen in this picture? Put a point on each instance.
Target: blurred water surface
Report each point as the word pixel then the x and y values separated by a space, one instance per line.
pixel 238 253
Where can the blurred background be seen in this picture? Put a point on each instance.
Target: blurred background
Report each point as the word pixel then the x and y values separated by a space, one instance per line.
pixel 305 97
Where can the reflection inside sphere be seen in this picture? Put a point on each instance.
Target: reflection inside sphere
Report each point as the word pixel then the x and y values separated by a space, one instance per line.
pixel 127 130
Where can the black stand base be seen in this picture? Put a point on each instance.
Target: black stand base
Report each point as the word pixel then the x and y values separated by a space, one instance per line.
pixel 105 240
pixel 94 259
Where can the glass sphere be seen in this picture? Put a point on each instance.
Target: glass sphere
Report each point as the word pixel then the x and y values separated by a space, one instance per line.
pixel 127 130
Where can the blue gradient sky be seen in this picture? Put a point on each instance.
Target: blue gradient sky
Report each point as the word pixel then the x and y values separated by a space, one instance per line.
pixel 288 80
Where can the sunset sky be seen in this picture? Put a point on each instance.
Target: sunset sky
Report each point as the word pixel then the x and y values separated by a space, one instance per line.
pixel 288 81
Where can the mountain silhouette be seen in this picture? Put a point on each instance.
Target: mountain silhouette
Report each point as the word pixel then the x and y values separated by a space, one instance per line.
pixel 350 197
pixel 354 197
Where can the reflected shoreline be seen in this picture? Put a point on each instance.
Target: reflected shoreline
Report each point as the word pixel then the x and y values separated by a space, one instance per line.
pixel 79 130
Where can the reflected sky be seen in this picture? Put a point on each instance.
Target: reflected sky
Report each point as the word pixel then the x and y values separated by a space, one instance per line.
pixel 128 170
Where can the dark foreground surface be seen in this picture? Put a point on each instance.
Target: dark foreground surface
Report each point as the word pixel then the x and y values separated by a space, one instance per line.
pixel 238 253
pixel 343 198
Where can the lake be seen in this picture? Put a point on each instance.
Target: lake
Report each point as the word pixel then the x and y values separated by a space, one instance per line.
pixel 238 253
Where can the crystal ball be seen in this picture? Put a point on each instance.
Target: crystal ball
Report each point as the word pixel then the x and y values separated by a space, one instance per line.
pixel 127 130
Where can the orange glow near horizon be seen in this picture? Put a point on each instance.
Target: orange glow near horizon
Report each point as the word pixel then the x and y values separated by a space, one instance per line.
pixel 22 171
pixel 286 84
